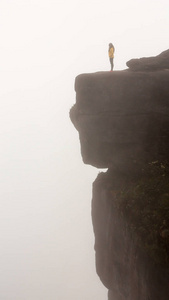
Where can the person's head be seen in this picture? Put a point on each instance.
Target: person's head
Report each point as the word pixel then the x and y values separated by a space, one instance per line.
pixel 110 45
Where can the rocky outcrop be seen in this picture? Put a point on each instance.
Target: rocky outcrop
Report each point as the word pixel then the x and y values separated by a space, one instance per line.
pixel 159 62
pixel 122 117
pixel 123 122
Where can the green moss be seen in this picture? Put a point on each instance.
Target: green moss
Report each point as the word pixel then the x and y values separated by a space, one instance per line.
pixel 144 202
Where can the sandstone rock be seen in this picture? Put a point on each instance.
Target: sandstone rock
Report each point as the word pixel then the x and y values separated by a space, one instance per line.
pixel 123 264
pixel 159 62
pixel 122 117
pixel 123 122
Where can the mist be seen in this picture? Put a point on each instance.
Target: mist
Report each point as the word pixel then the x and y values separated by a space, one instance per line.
pixel 47 241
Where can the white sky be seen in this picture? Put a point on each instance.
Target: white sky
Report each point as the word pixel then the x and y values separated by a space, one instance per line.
pixel 46 249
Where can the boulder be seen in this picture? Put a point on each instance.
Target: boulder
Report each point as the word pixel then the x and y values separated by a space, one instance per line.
pixel 159 62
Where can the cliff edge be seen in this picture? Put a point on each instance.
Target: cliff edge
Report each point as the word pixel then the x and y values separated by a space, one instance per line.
pixel 123 122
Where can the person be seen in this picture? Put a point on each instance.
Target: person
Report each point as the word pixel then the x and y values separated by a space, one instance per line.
pixel 111 55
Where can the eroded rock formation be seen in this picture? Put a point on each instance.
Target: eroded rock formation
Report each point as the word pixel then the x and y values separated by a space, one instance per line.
pixel 123 122
pixel 128 212
pixel 159 62
pixel 122 116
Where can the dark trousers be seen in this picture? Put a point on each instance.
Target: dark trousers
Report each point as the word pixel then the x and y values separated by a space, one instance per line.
pixel 112 64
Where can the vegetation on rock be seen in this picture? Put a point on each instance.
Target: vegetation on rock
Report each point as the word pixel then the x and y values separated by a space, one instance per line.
pixel 144 202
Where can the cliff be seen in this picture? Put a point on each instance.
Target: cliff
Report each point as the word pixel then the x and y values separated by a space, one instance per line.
pixel 123 122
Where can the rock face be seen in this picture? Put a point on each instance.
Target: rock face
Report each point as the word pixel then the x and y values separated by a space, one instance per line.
pixel 122 117
pixel 123 122
pixel 124 263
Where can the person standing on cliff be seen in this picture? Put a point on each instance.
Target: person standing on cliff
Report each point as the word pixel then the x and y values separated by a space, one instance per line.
pixel 111 55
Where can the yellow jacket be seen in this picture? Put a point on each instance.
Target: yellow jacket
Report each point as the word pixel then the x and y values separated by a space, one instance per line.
pixel 111 53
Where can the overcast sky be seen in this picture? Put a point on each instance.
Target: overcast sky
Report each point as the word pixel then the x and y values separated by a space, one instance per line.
pixel 46 249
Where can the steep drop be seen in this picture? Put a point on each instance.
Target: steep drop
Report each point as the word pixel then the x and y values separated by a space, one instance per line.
pixel 123 122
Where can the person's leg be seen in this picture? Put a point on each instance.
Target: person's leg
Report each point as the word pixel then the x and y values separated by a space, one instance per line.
pixel 111 62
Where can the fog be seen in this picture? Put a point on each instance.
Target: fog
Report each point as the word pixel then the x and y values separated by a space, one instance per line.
pixel 47 241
